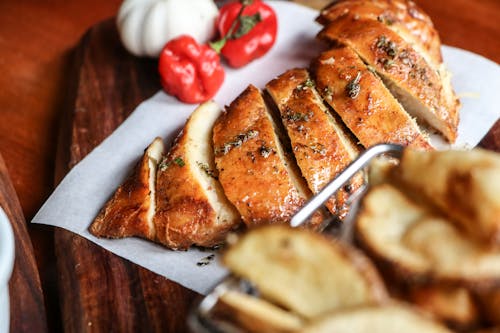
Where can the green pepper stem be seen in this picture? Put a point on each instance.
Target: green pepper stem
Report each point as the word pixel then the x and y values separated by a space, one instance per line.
pixel 246 25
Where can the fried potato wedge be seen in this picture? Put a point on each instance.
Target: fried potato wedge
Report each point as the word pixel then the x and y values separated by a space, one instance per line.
pixel 417 245
pixel 191 207
pixel 304 272
pixel 454 306
pixel 393 318
pixel 130 210
pixel 257 315
pixel 463 184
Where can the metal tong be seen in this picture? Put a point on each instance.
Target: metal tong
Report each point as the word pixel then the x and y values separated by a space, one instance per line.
pixel 200 320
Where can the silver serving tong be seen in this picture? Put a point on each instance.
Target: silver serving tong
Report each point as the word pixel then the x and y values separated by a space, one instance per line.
pixel 200 319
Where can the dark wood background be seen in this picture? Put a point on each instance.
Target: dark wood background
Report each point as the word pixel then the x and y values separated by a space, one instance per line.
pixel 41 51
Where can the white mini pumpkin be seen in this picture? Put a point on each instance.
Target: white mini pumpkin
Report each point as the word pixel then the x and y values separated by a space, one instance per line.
pixel 145 26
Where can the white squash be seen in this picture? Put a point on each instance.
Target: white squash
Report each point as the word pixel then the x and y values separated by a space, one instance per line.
pixel 145 26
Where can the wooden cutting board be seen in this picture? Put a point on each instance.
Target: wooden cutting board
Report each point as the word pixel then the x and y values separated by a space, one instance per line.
pixel 99 291
pixel 26 298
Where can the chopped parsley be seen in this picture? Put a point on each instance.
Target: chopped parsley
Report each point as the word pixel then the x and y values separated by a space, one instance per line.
pixel 179 161
pixel 206 168
pixel 164 165
pixel 318 148
pixel 388 46
pixel 306 84
pixel 265 151
pixel 237 142
pixel 353 87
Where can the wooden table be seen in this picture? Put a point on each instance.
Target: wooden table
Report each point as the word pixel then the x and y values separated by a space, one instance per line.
pixel 37 40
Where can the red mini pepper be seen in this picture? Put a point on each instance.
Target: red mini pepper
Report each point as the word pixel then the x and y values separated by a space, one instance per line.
pixel 190 71
pixel 247 29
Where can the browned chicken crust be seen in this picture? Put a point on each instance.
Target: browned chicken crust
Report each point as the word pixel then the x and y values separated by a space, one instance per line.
pixel 251 164
pixel 320 145
pixel 413 81
pixel 126 213
pixel 404 17
pixel 191 208
pixel 363 102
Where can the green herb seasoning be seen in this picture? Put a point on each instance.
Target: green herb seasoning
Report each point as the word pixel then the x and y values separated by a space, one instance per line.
pixel 265 151
pixel 306 84
pixel 353 87
pixel 164 165
pixel 387 63
pixel 206 168
pixel 206 260
pixel 388 46
pixel 405 57
pixel 297 116
pixel 237 142
pixel 318 148
pixel 179 161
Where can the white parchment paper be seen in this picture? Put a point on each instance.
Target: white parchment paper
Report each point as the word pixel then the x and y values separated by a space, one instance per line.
pixel 79 197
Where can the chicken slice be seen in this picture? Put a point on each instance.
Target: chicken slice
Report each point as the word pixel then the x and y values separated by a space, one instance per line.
pixel 191 206
pixel 403 17
pixel 257 176
pixel 363 102
pixel 320 145
pixel 130 210
pixel 408 76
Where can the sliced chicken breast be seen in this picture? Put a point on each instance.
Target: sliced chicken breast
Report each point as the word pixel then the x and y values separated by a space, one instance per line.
pixel 403 17
pixel 406 73
pixel 363 102
pixel 191 208
pixel 320 144
pixel 254 171
pixel 130 210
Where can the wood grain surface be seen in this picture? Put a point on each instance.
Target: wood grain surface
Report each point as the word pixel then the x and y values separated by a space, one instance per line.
pixel 37 51
pixel 26 299
pixel 99 291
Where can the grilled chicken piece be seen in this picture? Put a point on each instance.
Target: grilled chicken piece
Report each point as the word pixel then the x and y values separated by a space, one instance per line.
pixel 363 102
pixel 403 17
pixel 256 175
pixel 320 145
pixel 415 244
pixel 191 207
pixel 304 272
pixel 415 83
pixel 392 318
pixel 130 211
pixel 463 184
